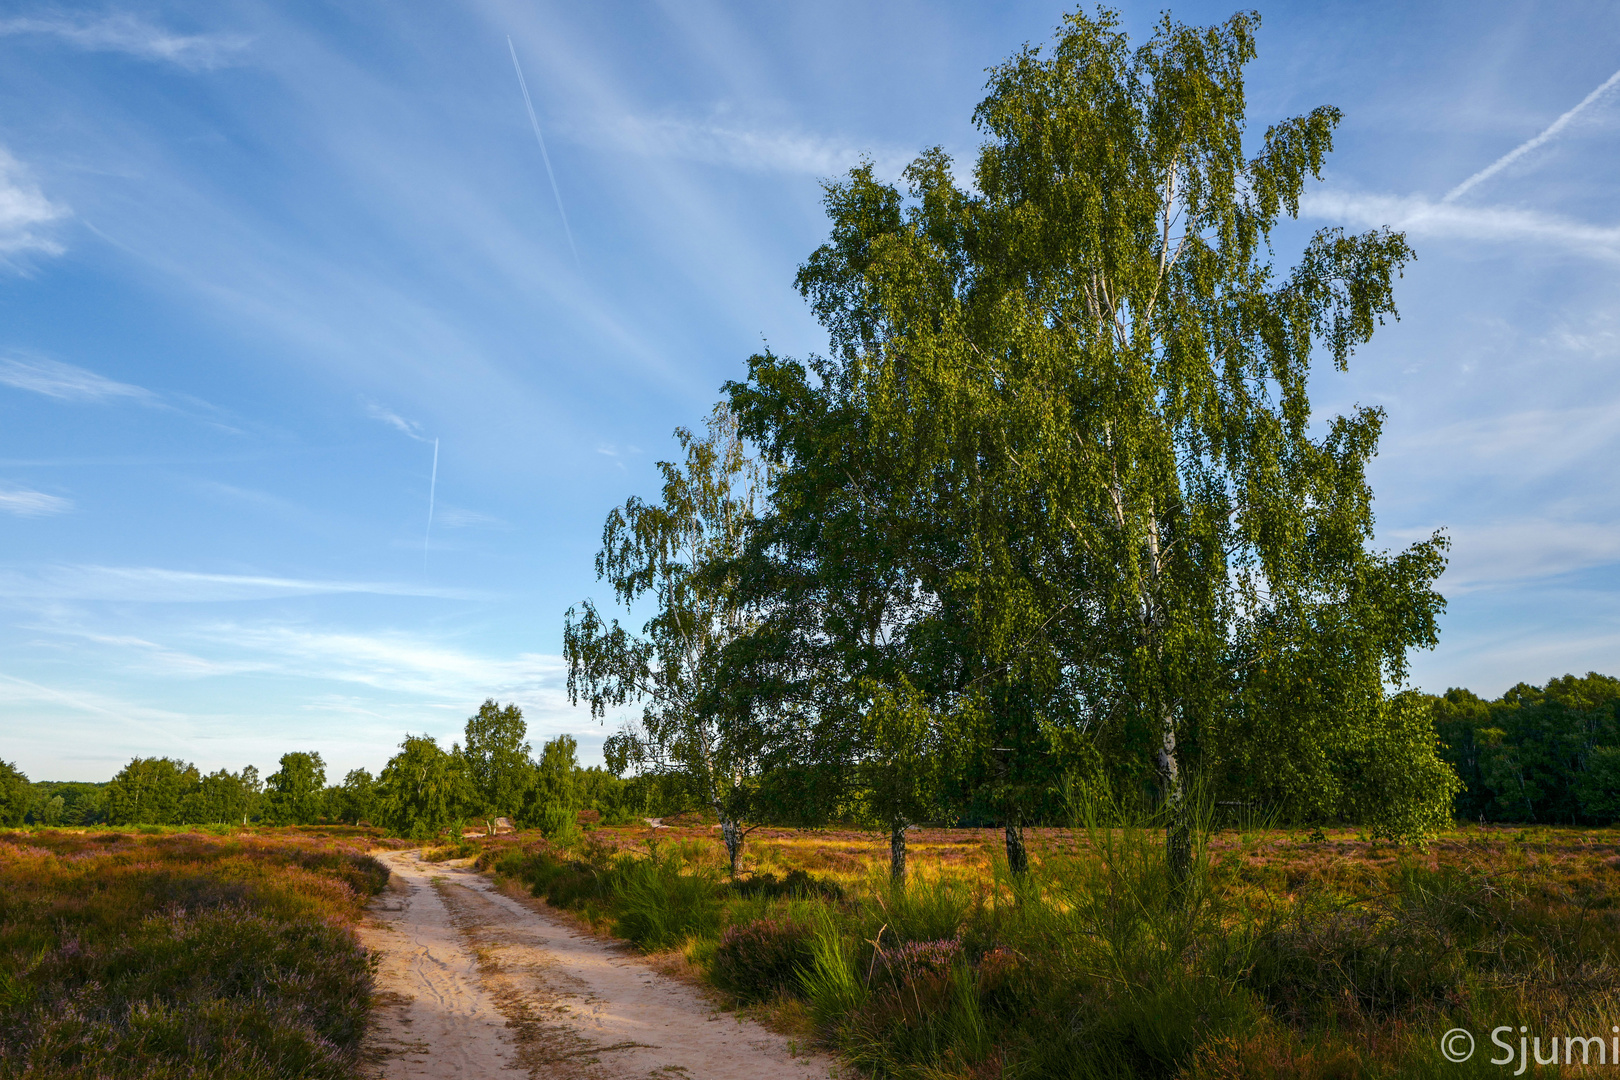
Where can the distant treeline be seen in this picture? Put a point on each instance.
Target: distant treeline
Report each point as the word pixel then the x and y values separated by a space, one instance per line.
pixel 1546 754
pixel 421 791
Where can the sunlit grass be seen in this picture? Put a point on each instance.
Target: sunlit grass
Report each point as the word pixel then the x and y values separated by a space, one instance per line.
pixel 1290 954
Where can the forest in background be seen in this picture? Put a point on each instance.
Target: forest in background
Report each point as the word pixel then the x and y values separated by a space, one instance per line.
pixel 1538 754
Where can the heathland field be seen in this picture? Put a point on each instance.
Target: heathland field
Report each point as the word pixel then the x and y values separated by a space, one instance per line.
pixel 1285 954
pixel 158 953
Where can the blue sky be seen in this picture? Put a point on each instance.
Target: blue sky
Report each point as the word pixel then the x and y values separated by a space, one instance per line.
pixel 257 259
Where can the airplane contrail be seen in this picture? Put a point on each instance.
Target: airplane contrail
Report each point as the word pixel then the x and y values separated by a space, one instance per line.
pixel 433 485
pixel 534 122
pixel 1525 147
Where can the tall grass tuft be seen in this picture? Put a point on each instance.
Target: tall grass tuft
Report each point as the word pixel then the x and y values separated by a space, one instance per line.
pixel 662 900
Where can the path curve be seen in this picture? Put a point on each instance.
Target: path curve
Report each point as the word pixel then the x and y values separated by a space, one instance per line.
pixel 474 983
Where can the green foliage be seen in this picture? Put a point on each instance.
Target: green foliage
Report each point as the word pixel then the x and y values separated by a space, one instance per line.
pixel 294 794
pixel 15 794
pixel 422 789
pixel 762 959
pixel 558 823
pixel 557 786
pixel 1059 473
pixel 57 802
pixel 223 797
pixel 356 800
pixel 899 768
pixel 1543 754
pixel 661 901
pixel 148 791
pixel 656 901
pixel 499 772
pixel 680 553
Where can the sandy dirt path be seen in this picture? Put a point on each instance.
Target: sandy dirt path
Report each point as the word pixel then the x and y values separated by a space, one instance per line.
pixel 475 983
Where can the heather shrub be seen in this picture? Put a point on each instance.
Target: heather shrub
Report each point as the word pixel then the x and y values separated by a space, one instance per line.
pixel 762 959
pixel 185 955
pixel 795 884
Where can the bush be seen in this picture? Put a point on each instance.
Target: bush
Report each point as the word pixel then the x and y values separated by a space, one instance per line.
pixel 558 823
pixel 763 959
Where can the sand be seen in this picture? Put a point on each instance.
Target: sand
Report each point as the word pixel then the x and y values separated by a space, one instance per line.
pixel 475 983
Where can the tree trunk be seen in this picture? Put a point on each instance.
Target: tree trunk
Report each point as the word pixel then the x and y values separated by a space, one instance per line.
pixel 1017 854
pixel 731 832
pixel 897 855
pixel 1178 829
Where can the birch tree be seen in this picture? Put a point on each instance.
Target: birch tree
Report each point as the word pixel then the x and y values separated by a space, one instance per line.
pixel 1096 362
pixel 679 555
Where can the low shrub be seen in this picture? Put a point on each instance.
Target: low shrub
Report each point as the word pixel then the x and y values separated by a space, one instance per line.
pixel 558 823
pixel 795 884
pixel 459 848
pixel 763 959
pixel 182 955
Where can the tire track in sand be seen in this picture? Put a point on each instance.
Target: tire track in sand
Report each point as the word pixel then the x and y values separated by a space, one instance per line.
pixel 474 983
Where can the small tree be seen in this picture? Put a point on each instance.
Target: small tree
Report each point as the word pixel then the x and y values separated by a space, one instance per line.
pixel 423 789
pixel 498 766
pixel 148 791
pixel 899 771
pixel 15 795
pixel 556 773
pixel 294 793
pixel 681 553
pixel 356 800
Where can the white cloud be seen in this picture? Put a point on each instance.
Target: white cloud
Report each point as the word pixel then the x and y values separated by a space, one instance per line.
pixel 145 584
pixel 1420 216
pixel 1490 662
pixel 455 517
pixel 393 419
pixel 742 146
pixel 26 503
pixel 1491 555
pixel 16 691
pixel 397 663
pixel 1532 144
pixel 129 34
pixel 63 381
pixel 24 211
pixel 1517 447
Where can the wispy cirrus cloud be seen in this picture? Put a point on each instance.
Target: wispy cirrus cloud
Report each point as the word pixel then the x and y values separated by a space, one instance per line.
pixel 737 144
pixel 394 420
pixel 25 212
pixel 1535 143
pixel 1501 554
pixel 456 517
pixel 393 662
pixel 26 503
pixel 148 584
pixel 129 34
pixel 65 382
pixel 1446 218
pixel 1420 216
